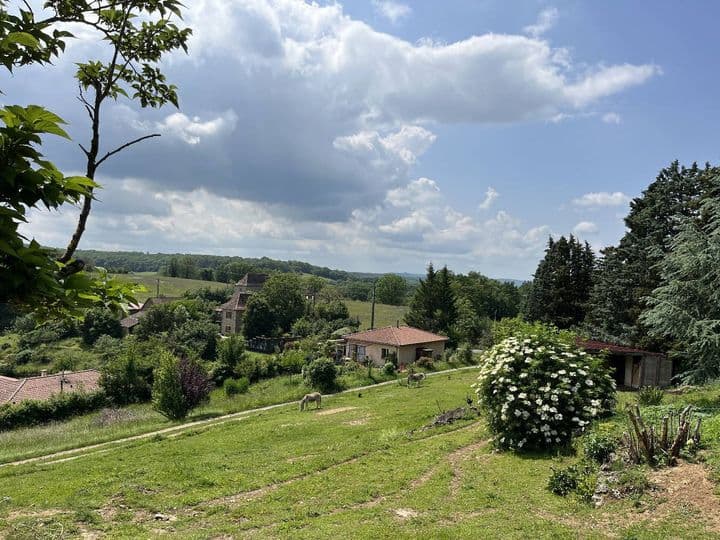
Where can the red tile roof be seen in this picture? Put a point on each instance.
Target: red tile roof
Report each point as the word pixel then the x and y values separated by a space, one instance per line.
pixel 8 386
pixel 396 336
pixel 592 345
pixel 132 320
pixel 41 388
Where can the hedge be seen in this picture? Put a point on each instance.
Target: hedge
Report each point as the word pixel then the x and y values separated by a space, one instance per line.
pixel 58 407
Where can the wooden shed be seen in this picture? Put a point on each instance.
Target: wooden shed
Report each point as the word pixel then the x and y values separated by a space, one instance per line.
pixel 633 368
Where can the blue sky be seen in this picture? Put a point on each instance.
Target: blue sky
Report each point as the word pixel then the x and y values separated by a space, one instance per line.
pixel 378 135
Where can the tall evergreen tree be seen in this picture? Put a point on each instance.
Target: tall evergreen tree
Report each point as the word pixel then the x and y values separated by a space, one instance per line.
pixel 630 272
pixel 562 282
pixel 685 308
pixel 433 305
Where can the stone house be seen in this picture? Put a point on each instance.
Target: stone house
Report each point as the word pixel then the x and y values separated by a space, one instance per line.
pixel 231 311
pixel 406 342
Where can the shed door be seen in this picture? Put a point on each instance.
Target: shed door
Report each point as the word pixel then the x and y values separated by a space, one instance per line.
pixel 635 380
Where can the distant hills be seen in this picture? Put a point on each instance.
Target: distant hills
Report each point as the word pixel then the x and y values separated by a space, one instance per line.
pixel 138 261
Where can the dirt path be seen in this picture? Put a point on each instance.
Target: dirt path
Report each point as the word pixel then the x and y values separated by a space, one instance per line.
pixel 82 451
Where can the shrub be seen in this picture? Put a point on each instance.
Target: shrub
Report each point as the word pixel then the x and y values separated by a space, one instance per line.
pixel 193 337
pixel 233 387
pixel 99 322
pixel 321 374
pixel 389 368
pixel 463 355
pixel 539 392
pixel 58 407
pixel 650 395
pixel 599 447
pixel 180 385
pixel 580 479
pixel 425 362
pixel 230 353
pixel 292 361
pixel 125 380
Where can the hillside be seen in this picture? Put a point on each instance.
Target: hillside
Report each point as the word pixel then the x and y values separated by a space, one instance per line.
pixel 361 466
pixel 169 286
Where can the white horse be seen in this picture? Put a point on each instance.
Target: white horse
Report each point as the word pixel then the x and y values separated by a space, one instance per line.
pixel 307 398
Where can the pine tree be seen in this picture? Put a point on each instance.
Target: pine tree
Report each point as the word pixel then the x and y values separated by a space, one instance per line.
pixel 686 307
pixel 629 272
pixel 562 282
pixel 433 305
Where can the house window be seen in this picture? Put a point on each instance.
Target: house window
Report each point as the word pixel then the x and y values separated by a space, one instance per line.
pixel 227 329
pixel 384 353
pixel 228 314
pixel 361 352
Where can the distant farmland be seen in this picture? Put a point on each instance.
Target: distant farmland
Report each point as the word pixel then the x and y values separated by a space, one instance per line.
pixel 169 286
pixel 385 315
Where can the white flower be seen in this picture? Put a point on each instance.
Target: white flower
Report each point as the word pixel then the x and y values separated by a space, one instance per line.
pixel 522 395
pixel 554 397
pixel 562 372
pixel 513 389
pixel 518 412
pixel 589 382
pixel 523 375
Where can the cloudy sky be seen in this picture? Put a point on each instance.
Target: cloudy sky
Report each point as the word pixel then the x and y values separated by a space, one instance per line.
pixel 378 135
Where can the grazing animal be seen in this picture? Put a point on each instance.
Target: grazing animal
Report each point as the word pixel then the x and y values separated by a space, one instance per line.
pixel 415 377
pixel 307 398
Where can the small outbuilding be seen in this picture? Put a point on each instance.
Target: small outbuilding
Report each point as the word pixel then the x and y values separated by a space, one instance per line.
pixel 633 368
pixel 405 342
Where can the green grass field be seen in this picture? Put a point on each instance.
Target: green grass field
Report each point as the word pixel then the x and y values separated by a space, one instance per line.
pixel 169 286
pixel 385 315
pixel 360 467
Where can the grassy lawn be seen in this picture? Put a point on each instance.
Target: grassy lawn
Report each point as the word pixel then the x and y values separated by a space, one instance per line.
pixel 169 286
pixel 96 427
pixel 385 315
pixel 358 468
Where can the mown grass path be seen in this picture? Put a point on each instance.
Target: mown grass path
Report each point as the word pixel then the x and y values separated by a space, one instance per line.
pixel 74 453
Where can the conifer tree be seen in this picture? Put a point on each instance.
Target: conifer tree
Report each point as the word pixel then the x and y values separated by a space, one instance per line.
pixel 562 282
pixel 685 308
pixel 433 305
pixel 629 272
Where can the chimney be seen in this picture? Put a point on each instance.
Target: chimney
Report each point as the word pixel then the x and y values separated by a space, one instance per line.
pixel 43 373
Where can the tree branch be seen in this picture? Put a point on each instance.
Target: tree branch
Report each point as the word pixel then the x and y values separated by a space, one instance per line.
pixel 124 146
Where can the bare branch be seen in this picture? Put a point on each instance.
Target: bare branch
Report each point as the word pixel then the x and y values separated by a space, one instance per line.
pixel 124 146
pixel 84 150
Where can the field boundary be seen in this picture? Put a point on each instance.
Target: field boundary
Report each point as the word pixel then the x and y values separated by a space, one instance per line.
pixel 82 451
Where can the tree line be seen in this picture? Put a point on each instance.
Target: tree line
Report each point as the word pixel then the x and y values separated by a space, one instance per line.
pixel 658 287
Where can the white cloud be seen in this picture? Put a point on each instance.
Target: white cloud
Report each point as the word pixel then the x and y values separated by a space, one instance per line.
pixel 490 196
pixel 611 118
pixel 585 227
pixel 393 11
pixel 602 198
pixel 417 193
pixel 414 224
pixel 605 81
pixel 193 130
pixel 545 21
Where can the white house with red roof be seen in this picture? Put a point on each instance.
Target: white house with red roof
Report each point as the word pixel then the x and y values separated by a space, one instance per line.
pixel 406 342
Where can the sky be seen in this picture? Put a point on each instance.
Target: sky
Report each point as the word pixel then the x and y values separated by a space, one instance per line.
pixel 378 135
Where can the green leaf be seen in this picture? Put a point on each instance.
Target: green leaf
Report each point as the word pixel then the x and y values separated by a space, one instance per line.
pixel 22 38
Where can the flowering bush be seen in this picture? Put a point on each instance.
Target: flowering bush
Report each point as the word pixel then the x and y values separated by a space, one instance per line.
pixel 539 391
